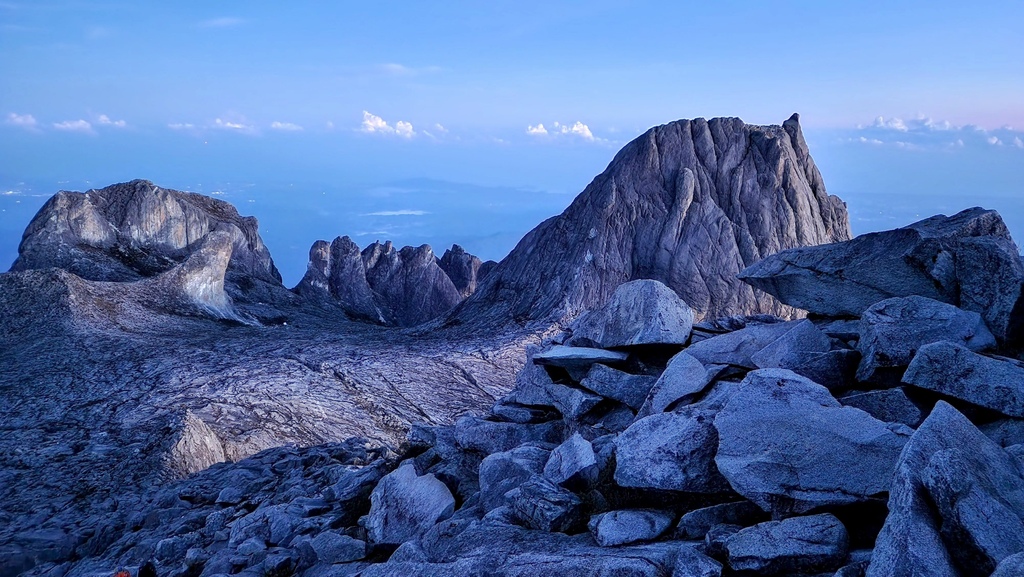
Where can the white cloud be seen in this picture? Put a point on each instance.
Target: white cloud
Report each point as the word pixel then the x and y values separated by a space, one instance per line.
pixel 871 141
pixel 579 129
pixel 403 212
pixel 235 126
pixel 73 126
pixel 225 22
pixel 891 124
pixel 537 130
pixel 396 69
pixel 181 126
pixel 440 128
pixel 1018 142
pixel 10 193
pixel 994 141
pixel 329 125
pixel 106 121
pixel 373 124
pixel 21 120
pixel 288 126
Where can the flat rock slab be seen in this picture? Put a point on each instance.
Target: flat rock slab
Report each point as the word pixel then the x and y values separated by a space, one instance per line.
pixel 786 444
pixel 629 526
pixel 889 405
pixel 956 503
pixel 798 545
pixel 578 357
pixel 670 451
pixel 956 371
pixel 487 437
pixel 403 505
pixel 894 329
pixel 845 278
pixel 640 312
pixel 696 524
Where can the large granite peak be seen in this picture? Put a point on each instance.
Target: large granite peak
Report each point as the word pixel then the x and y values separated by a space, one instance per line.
pixel 689 203
pixel 135 230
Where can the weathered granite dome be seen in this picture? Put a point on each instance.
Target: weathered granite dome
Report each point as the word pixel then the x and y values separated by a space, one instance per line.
pixel 690 203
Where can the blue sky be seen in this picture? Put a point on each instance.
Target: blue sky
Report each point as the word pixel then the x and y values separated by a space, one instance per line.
pixel 315 116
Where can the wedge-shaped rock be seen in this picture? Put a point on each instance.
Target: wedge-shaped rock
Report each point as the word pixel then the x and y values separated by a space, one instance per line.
pixel 957 499
pixel 577 357
pixel 786 444
pixel 737 347
pixel 629 526
pixel 953 370
pixel 672 451
pixel 572 464
pixel 403 506
pixel 798 545
pixel 892 331
pixel 640 312
pixel 570 401
pixel 618 385
pixel 938 258
pixel 682 381
pixel 502 472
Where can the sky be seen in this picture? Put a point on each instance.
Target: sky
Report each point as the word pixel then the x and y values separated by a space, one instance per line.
pixel 471 122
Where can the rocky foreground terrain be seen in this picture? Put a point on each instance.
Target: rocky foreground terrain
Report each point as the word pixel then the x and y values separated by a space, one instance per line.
pixel 650 401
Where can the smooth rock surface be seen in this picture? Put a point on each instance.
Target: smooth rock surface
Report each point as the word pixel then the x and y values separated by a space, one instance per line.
pixel 737 347
pixel 683 379
pixel 404 505
pixel 577 357
pixel 889 405
pixel 954 370
pixel 629 526
pixel 786 444
pixel 640 312
pixel 572 464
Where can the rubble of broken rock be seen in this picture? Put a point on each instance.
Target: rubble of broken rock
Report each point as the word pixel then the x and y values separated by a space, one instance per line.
pixel 888 443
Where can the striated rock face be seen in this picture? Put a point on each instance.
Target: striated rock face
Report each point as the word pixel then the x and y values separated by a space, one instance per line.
pixel 403 287
pixel 689 203
pixel 136 229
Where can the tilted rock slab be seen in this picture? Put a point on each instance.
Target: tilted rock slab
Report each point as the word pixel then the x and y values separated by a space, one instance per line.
pixel 690 204
pixel 968 260
pixel 799 545
pixel 786 444
pixel 404 505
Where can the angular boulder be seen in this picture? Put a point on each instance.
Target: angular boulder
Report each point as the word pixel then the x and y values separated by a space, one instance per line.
pixel 502 472
pixel 786 444
pixel 954 370
pixel 640 312
pixel 956 503
pixel 892 330
pixel 487 437
pixel 578 358
pixel 670 451
pixel 794 348
pixel 540 504
pixel 889 405
pixel 464 269
pixel 696 524
pixel 737 347
pixel 619 386
pixel 572 464
pixel 798 545
pixel 629 526
pixel 681 382
pixel 403 506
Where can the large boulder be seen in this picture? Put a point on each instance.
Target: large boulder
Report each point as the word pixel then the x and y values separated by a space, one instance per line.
pixel 540 504
pixel 892 330
pixel 683 379
pixel 738 347
pixel 967 260
pixel 640 312
pixel 404 505
pixel 956 503
pixel 617 385
pixel 629 526
pixel 786 444
pixel 690 204
pixel 670 451
pixel 799 545
pixel 572 464
pixel 502 472
pixel 953 370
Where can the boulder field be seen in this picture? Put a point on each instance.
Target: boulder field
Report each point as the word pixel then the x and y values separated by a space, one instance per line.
pixel 885 442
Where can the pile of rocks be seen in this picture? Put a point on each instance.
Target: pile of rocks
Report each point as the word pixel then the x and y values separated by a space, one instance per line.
pixel 884 436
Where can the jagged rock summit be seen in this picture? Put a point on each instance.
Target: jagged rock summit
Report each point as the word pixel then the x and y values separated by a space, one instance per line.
pixel 690 203
pixel 388 286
